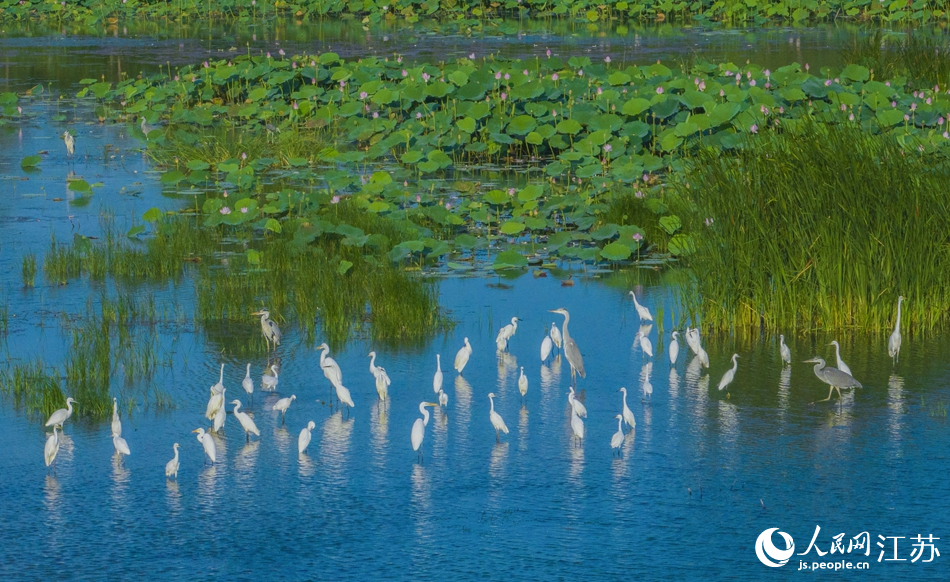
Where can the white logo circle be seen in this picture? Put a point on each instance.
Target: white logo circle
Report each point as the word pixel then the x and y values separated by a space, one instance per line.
pixel 765 549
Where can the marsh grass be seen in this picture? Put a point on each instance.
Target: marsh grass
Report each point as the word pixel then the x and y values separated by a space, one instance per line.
pixel 33 387
pixel 28 270
pixel 920 57
pixel 819 228
pixel 218 143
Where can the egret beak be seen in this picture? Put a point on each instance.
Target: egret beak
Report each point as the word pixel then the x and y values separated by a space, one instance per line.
pixel 431 404
pixel 196 430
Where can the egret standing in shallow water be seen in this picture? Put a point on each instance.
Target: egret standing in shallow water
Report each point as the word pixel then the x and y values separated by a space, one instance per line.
pixel 627 413
pixel 894 342
pixel 419 429
pixel 116 421
pixel 61 415
pixel 576 405
pixel 642 311
pixel 496 420
pixel 645 344
pixel 838 361
pixel 506 333
pixel 785 352
pixel 121 447
pixel 269 329
pixel 437 378
pixel 282 405
pixel 546 346
pixel 380 376
pixel 616 441
pixel 674 348
pixel 207 443
pixel 329 366
pixel 220 416
pixel 555 336
pixel 833 377
pixel 571 351
pixel 70 142
pixel 52 448
pixel 730 374
pixel 461 358
pixel 303 441
pixel 523 386
pixel 171 467
pixel 269 382
pixel 219 387
pixel 247 423
pixel 577 425
pixel 247 383
pixel 443 399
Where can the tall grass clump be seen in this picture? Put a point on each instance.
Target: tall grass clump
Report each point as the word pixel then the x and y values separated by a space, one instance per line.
pixel 28 270
pixel 822 227
pixel 33 388
pixel 920 57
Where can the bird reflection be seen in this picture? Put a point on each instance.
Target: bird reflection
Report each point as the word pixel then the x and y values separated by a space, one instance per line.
pixel 577 465
pixel 463 402
pixel 674 384
pixel 421 500
pixel 728 420
pixel 336 445
pixel 282 439
pixel 645 384
pixel 645 329
pixel 784 386
pixel 523 429
pixel 52 500
pixel 220 446
pixel 507 364
pixel 173 496
pixel 499 454
pixel 895 404
pixel 120 474
pixel 379 429
pixel 247 457
pixel 305 465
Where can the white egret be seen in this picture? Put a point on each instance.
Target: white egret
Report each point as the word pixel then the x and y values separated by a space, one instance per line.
pixel 496 420
pixel 116 421
pixel 121 447
pixel 461 358
pixel 219 387
pixel 642 311
pixel 329 366
pixel 576 405
pixel 247 383
pixel 443 399
pixel 419 428
pixel 894 342
pixel 506 333
pixel 220 415
pixel 343 396
pixel 703 357
pixel 215 403
pixel 268 382
pixel 437 379
pixel 268 328
pixel 501 343
pixel 645 380
pixel 70 142
pixel 523 385
pixel 645 344
pixel 303 441
pixel 692 338
pixel 838 361
pixel 833 377
pixel 171 467
pixel 784 351
pixel 61 415
pixel 247 423
pixel 546 346
pixel 616 441
pixel 52 447
pixel 373 368
pixel 730 374
pixel 674 348
pixel 571 351
pixel 207 442
pixel 577 425
pixel 382 384
pixel 282 405
pixel 555 335
pixel 627 413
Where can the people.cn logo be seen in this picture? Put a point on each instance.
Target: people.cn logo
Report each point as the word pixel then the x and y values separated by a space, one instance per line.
pixel 767 552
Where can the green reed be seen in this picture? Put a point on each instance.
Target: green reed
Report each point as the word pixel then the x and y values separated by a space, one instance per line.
pixel 33 387
pixel 28 270
pixel 920 57
pixel 819 228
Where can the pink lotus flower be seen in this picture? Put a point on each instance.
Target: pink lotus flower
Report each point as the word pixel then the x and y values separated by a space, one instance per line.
pixel 659 90
pixel 375 114
pixel 335 200
pixel 553 113
pixel 511 191
pixel 754 128
pixel 225 210
pixel 244 210
pixel 224 193
pixel 525 72
pixel 281 52
pixel 472 56
pixel 639 193
pixel 752 83
pixel 851 117
pixel 504 95
pixel 607 59
pixel 580 72
pixel 426 77
pixel 405 73
pixel 507 76
pixel 608 148
pixel 637 236
pixel 363 94
pixel 498 75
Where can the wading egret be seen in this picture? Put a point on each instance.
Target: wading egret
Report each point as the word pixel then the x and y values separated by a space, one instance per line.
pixel 269 329
pixel 838 361
pixel 692 340
pixel 207 443
pixel 220 416
pixel 627 413
pixel 894 342
pixel 247 423
pixel 443 399
pixel 833 377
pixel 219 387
pixel 703 357
pixel 645 344
pixel 577 425
pixel 215 402
pixel 571 351
pixel 546 346
pixel 343 396
pixel 555 335
pixel 70 142
pixel 419 428
pixel 247 383
pixel 496 420
pixel 674 348
pixel 576 405
pixel 506 333
pixel 523 385
pixel 437 378
pixel 784 351
pixel 268 382
pixel 329 366
pixel 52 447
pixel 282 405
pixel 382 384
pixel 61 415
pixel 303 441
pixel 147 127
pixel 116 422
pixel 461 358
pixel 501 343
pixel 730 374
pixel 616 441
pixel 645 380
pixel 171 467
pixel 642 311
pixel 121 447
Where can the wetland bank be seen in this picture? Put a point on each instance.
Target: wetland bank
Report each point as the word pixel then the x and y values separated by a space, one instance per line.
pixel 385 200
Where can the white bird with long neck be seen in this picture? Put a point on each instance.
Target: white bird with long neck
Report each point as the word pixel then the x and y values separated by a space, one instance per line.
pixel 839 363
pixel 443 399
pixel 344 397
pixel 546 346
pixel 268 381
pixel 437 378
pixel 785 352
pixel 616 441
pixel 303 441
pixel 461 358
pixel 373 368
pixel 220 416
pixel 52 447
pixel 282 405
pixel 894 342
pixel 645 344
pixel 116 421
pixel 171 467
pixel 329 366
pixel 121 447
pixel 70 142
pixel 247 383
pixel 577 425
pixel 576 405
pixel 642 310
pixel 523 385
pixel 571 351
pixel 219 387
pixel 627 413
pixel 496 421
pixel 506 333
pixel 419 428
pixel 247 423
pixel 207 442
pixel 692 340
pixel 730 374
pixel 555 335
pixel 62 415
pixel 674 348
pixel 833 377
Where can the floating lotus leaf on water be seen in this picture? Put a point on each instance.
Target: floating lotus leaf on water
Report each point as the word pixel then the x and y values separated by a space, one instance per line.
pixel 498 197
pixel 512 227
pixel 615 251
pixel 521 125
pixel 532 192
pixel 605 232
pixel 465 241
pixel 855 73
pixel 30 161
pixel 510 260
pixel 79 186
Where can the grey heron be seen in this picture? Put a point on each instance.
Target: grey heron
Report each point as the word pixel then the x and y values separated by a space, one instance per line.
pixel 833 377
pixel 269 328
pixel 571 351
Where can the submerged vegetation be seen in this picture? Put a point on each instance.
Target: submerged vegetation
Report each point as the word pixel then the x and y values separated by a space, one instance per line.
pixel 820 227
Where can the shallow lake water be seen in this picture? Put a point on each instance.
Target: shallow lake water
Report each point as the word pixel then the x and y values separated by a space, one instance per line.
pixel 700 477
